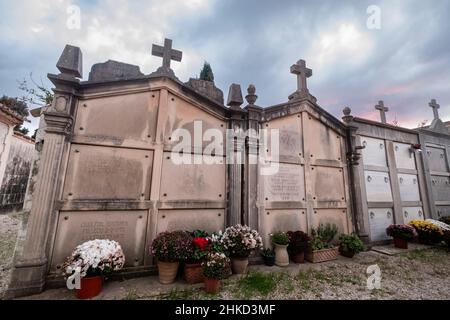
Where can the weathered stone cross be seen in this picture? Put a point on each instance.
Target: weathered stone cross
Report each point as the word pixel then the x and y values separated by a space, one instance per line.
pixel 167 53
pixel 302 73
pixel 380 106
pixel 433 104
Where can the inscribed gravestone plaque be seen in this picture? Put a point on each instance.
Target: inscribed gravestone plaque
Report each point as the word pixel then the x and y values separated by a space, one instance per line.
pixel 126 227
pixel 379 220
pixel 378 186
pixel 409 187
pixel 108 173
pixel 404 157
pixel 374 153
pixel 286 185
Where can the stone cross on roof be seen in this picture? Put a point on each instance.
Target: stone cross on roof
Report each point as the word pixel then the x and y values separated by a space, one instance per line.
pixel 302 73
pixel 167 53
pixel 380 106
pixel 433 104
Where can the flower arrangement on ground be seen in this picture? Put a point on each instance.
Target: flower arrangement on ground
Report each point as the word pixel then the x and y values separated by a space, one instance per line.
pixel 93 260
pixel 350 244
pixel 402 233
pixel 170 248
pixel 322 246
pixel 193 266
pixel 298 244
pixel 239 241
pixel 215 269
pixel 428 232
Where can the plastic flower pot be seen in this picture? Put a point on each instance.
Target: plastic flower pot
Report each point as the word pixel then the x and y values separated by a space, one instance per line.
pixel 90 287
pixel 348 253
pixel 400 243
pixel 269 261
pixel 298 257
pixel 212 286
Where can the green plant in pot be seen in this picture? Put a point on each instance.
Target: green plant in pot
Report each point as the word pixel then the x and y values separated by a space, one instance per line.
pixel 268 257
pixel 280 241
pixel 350 244
pixel 322 245
pixel 298 244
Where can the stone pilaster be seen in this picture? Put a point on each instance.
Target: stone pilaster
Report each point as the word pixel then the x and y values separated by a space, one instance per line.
pixel 31 263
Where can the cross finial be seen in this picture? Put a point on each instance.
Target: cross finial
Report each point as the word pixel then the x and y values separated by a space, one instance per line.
pixel 433 104
pixel 167 53
pixel 380 106
pixel 302 73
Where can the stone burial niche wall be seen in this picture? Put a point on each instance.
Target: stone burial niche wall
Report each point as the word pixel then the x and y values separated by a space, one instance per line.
pixel 311 185
pixel 106 170
pixel 389 180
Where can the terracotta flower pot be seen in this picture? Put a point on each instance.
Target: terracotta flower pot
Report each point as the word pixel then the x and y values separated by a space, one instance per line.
pixel 298 257
pixel 212 286
pixel 239 265
pixel 281 255
pixel 400 243
pixel 90 287
pixel 193 273
pixel 167 271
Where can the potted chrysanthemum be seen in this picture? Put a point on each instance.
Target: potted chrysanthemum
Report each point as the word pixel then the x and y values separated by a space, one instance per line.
pixel 215 269
pixel 239 241
pixel 92 260
pixel 170 248
pixel 401 233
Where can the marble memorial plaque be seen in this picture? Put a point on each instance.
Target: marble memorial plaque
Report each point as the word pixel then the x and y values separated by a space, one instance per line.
pixel 126 227
pixel 437 160
pixel 210 220
pixel 287 185
pixel 108 173
pixel 409 187
pixel 412 213
pixel 378 186
pixel 374 153
pixel 379 220
pixel 290 136
pixel 440 186
pixel 404 157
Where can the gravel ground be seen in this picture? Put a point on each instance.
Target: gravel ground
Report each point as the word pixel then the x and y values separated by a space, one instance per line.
pixel 418 273
pixel 9 226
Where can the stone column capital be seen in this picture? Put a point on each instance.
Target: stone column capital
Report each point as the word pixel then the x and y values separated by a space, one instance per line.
pixel 58 123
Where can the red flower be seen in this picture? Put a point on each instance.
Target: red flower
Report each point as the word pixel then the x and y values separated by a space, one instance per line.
pixel 200 242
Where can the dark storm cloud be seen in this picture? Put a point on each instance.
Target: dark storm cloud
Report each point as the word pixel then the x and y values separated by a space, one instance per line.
pixel 405 63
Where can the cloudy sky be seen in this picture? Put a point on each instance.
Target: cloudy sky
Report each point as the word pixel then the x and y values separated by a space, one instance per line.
pixel 405 62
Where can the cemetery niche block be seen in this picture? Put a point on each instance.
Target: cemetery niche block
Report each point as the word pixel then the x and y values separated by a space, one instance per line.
pixel 321 142
pixel 126 227
pixel 200 182
pixel 281 220
pixel 437 160
pixel 290 136
pixel 211 220
pixel 374 153
pixel 409 187
pixel 118 120
pixel 378 186
pixel 441 188
pixel 379 220
pixel 286 185
pixel 333 216
pixel 106 173
pixel 412 213
pixel 328 184
pixel 404 157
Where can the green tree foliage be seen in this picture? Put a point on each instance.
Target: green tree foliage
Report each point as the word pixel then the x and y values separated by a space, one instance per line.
pixel 206 73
